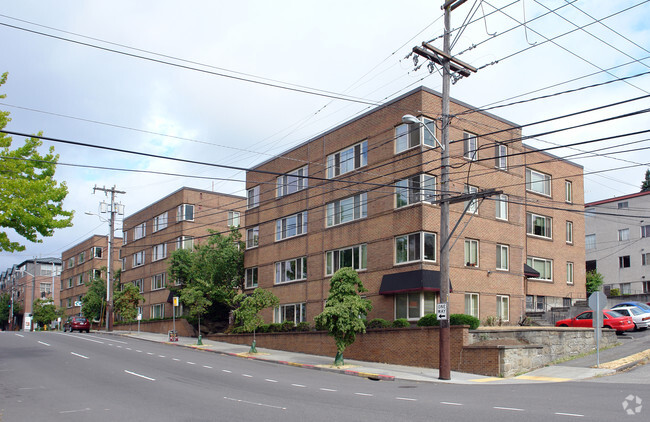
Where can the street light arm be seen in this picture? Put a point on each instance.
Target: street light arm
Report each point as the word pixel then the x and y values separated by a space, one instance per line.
pixel 410 119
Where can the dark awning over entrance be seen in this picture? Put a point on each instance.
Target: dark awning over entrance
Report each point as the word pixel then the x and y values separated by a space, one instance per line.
pixel 411 281
pixel 530 271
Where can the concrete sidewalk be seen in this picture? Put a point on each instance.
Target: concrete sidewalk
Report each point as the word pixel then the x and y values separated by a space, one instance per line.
pixel 621 357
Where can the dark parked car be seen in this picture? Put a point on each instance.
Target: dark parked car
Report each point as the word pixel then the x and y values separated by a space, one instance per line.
pixel 77 323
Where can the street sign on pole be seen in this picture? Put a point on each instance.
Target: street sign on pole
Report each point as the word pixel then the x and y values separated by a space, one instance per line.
pixel 597 302
pixel 441 311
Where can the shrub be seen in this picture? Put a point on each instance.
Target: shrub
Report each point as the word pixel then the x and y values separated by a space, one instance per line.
pixel 401 323
pixel 275 327
pixel 493 321
pixel 614 292
pixel 377 323
pixel 264 328
pixel 303 326
pixel 288 326
pixel 462 319
pixel 320 326
pixel 429 320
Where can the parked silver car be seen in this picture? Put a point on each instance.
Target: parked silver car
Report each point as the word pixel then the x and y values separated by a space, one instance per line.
pixel 639 316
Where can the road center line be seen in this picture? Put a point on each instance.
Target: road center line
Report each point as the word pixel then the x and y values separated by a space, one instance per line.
pixel 451 403
pixel 256 404
pixel 327 389
pixel 138 375
pixel 43 343
pixel 246 375
pixel 298 385
pixel 268 380
pixel 81 356
pixel 405 398
pixel 74 411
pixel 570 414
pixel 20 335
pixel 514 409
pixel 176 359
pixel 207 367
pixel 226 371
pixel 191 363
pixel 363 394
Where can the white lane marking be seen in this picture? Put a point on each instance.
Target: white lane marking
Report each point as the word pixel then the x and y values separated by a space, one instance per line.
pixel 207 367
pixel 118 341
pixel 514 409
pixel 75 411
pixel 176 359
pixel 139 351
pixel 298 385
pixel 161 356
pixel 43 343
pixel 226 371
pixel 190 363
pixel 81 356
pixel 128 348
pixel 450 403
pixel 139 375
pixel 85 338
pixel 269 380
pixel 326 389
pixel 363 394
pixel 256 404
pixel 405 398
pixel 246 375
pixel 570 414
pixel 149 353
pixel 20 335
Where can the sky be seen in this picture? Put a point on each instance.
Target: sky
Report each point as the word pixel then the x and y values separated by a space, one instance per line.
pixel 235 83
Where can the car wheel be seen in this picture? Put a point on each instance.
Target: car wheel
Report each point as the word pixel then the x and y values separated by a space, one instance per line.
pixel 563 325
pixel 636 327
pixel 88 331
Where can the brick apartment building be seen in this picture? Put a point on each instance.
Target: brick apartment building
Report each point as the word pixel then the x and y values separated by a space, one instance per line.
pixel 367 203
pixel 40 275
pixel 81 264
pixel 179 220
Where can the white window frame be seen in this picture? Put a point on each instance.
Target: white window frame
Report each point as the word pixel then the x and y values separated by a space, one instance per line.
pixel 589 244
pixel 503 304
pixel 346 210
pixel 531 260
pixel 282 225
pixel 568 192
pixel 415 244
pixel 547 229
pixel 569 232
pixel 621 261
pixel 182 212
pixel 139 283
pixel 299 312
pixel 501 207
pixel 622 205
pixel 357 154
pixel 253 197
pixel 80 279
pixel 472 247
pixel 292 182
pixel 95 273
pixel 94 252
pixel 82 257
pixel 645 231
pixel 252 237
pixel 473 204
pixel 251 278
pixel 335 258
pixel 158 311
pixel 160 221
pixel 532 186
pixel 233 217
pixel 185 242
pixel 623 235
pixel 569 272
pixel 159 252
pixel 138 258
pixel 415 189
pixel 501 156
pixel 140 231
pixel 282 274
pixel 645 258
pixel 158 282
pixel 501 250
pixel 70 283
pixel 71 262
pixel 470 146
pixel 472 304
pixel 412 135
pixel 426 304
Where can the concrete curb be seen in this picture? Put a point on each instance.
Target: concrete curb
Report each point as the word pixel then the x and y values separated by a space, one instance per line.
pixel 627 362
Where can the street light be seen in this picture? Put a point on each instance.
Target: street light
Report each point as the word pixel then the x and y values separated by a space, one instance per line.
pixel 411 119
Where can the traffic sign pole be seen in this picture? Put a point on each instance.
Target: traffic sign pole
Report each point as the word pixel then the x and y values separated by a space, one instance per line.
pixel 597 302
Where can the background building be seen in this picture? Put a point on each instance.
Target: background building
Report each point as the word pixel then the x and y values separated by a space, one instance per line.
pixel 617 242
pixel 364 195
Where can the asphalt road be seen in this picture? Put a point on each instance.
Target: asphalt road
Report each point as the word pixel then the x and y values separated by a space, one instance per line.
pixel 51 376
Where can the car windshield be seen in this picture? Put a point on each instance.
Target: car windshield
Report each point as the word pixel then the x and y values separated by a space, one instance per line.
pixel 615 314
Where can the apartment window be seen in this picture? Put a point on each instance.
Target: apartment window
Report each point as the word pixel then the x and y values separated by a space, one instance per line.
pixel 294 312
pixel 566 302
pixel 292 182
pixel 291 226
pixel 138 259
pixel 185 212
pixel 348 209
pixel 139 283
pixel 291 270
pixel 538 182
pixel 646 287
pixel 624 261
pixel 139 231
pixel 569 273
pixel 503 307
pixel 473 204
pixel 543 266
pixel 568 191
pixel 70 284
pixel 347 160
pixel 539 225
pixel 71 262
pixel 124 236
pixel 354 257
pixel 123 264
pixel 253 197
pixel 645 258
pixel 645 231
pixel 415 247
pixel 160 222
pixel 502 257
pixel 158 281
pixel 501 205
pixel 82 257
pixel 252 237
pixel 626 288
pixel 68 302
pixel 501 157
pixel 470 146
pixel 408 135
pixel 590 241
pixel 80 279
pixel 95 274
pixel 96 252
pixel 158 311
pixel 471 253
pixel 414 306
pixel 418 188
pixel 569 232
pixel 233 218
pixel 623 235
pixel 623 204
pixel 46 289
pixel 471 304
pixel 159 252
pixel 185 242
pixel 251 278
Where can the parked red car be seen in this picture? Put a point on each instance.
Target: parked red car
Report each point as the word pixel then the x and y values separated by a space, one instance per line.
pixel 78 323
pixel 611 319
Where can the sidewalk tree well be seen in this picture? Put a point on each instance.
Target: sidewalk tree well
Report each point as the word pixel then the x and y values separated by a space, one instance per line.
pixel 126 301
pixel 345 310
pixel 213 270
pixel 31 200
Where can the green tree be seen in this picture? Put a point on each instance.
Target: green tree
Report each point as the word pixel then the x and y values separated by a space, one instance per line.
pixel 210 274
pixel 594 281
pixel 645 185
pixel 126 301
pixel 45 312
pixel 248 307
pixel 344 310
pixel 5 309
pixel 31 201
pixel 94 301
